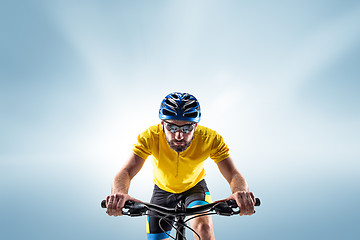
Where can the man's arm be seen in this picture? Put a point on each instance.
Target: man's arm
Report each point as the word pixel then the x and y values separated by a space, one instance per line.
pixel 238 186
pixel 120 187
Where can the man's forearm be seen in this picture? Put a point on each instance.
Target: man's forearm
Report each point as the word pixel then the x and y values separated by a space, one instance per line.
pixel 122 180
pixel 238 183
pixel 121 183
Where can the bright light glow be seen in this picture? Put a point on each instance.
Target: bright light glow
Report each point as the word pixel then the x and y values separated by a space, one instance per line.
pixel 81 81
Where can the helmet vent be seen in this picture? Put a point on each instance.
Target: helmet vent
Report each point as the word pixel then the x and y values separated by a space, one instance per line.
pixel 176 97
pixel 171 103
pixel 169 113
pixel 186 97
pixel 191 114
pixel 189 105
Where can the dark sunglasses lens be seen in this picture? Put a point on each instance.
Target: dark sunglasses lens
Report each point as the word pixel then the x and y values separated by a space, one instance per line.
pixel 187 128
pixel 172 128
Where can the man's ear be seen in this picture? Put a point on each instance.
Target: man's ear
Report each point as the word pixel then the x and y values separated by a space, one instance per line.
pixel 162 124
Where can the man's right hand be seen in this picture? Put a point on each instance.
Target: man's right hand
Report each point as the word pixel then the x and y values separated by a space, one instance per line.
pixel 116 202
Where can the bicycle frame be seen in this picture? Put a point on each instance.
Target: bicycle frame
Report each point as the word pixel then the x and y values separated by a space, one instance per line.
pixel 180 212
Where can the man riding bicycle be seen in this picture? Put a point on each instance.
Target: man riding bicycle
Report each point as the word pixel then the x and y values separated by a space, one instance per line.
pixel 179 148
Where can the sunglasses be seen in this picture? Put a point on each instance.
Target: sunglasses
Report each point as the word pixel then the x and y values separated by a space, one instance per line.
pixel 174 128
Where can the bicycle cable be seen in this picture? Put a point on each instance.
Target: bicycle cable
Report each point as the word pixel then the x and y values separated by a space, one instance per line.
pixel 164 218
pixel 169 223
pixel 200 215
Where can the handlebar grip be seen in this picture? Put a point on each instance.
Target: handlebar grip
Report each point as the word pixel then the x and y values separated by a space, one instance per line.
pixel 257 202
pixel 233 203
pixel 128 204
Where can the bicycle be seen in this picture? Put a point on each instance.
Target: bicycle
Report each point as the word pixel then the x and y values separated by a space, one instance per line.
pixel 180 212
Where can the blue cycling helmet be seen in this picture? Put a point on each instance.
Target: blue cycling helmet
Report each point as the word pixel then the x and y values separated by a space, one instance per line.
pixel 180 106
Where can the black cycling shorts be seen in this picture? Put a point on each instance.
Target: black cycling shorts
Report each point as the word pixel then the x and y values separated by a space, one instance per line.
pixel 197 195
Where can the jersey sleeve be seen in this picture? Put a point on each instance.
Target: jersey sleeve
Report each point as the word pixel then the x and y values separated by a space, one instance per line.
pixel 219 150
pixel 142 147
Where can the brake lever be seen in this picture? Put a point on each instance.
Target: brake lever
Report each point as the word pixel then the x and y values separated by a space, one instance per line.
pixel 134 209
pixel 131 208
pixel 224 209
pixel 233 205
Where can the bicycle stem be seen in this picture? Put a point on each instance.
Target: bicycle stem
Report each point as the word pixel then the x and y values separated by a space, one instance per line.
pixel 180 221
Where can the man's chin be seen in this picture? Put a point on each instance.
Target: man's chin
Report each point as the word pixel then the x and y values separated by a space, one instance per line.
pixel 178 147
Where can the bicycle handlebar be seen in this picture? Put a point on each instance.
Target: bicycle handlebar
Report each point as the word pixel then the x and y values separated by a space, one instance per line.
pixel 226 208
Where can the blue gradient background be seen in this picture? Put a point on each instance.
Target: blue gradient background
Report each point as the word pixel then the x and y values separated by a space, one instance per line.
pixel 80 79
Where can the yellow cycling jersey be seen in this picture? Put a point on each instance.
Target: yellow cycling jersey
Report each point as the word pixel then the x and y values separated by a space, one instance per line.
pixel 177 172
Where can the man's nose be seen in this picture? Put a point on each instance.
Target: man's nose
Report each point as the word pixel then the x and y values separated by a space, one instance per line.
pixel 179 135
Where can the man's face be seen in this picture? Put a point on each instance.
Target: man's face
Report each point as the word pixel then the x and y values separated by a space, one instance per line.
pixel 178 140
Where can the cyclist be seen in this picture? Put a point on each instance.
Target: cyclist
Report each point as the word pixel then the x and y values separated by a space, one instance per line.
pixel 179 147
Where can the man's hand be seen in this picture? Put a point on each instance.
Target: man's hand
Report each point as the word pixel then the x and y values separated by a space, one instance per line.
pixel 245 201
pixel 116 202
